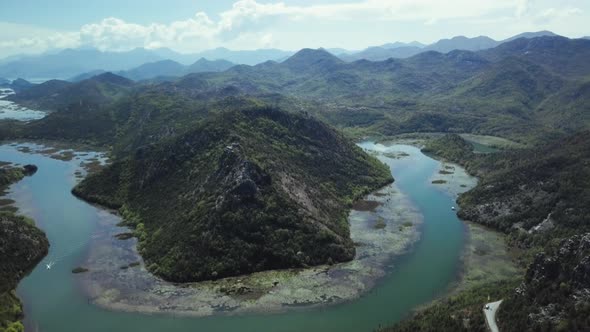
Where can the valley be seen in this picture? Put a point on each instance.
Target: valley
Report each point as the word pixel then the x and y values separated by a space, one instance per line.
pixel 307 192
pixel 412 220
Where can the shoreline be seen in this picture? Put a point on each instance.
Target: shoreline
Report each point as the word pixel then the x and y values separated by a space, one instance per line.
pixel 113 285
pixel 486 257
pixel 118 281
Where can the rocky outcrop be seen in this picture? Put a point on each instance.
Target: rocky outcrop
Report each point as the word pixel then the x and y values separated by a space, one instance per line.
pixel 238 181
pixel 556 288
pixel 30 169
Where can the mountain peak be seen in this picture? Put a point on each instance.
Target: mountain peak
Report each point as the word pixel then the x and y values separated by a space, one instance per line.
pixel 529 35
pixel 308 58
pixel 111 78
pixel 205 65
pixel 462 43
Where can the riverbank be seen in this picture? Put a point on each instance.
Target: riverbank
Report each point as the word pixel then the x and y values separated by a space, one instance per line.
pixel 488 266
pixel 384 225
pixel 23 245
pixel 373 295
pixel 117 280
pixel 486 257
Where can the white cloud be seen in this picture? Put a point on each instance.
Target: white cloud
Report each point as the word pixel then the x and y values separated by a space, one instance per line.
pixel 522 7
pixel 250 24
pixel 550 14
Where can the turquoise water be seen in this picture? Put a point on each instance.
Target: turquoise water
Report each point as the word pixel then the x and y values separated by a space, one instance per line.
pixel 54 304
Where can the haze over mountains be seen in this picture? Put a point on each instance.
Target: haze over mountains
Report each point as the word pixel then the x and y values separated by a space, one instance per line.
pixel 403 50
pixel 519 89
pixel 164 69
pixel 140 64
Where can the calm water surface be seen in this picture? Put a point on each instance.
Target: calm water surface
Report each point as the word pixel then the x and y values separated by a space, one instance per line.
pixel 54 304
pixel 10 110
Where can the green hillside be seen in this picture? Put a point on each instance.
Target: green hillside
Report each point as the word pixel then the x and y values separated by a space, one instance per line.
pixel 245 191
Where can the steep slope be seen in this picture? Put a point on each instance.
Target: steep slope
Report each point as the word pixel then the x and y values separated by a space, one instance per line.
pixel 562 56
pixel 548 186
pixel 555 293
pixel 515 84
pixel 245 191
pixel 573 103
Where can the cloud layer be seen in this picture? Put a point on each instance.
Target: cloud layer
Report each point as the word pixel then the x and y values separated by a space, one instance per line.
pixel 251 24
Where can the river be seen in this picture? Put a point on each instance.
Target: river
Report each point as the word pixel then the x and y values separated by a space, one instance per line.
pixel 54 302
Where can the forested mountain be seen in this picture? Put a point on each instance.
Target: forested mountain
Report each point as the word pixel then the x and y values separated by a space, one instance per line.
pixel 253 190
pixel 523 89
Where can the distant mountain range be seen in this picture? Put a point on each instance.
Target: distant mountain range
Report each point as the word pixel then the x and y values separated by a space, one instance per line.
pixel 406 50
pixel 401 44
pixel 71 63
pixel 538 80
pixel 163 69
pixel 139 64
pixel 16 85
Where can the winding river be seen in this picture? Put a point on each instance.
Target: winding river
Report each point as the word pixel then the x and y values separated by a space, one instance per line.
pixel 54 302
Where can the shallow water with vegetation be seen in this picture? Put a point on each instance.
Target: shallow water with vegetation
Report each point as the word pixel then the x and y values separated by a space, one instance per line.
pixel 12 111
pixel 54 300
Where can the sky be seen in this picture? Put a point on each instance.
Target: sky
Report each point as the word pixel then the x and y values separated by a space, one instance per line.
pixel 37 26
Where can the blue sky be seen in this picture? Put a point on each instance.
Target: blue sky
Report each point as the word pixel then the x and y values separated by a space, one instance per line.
pixel 29 26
